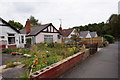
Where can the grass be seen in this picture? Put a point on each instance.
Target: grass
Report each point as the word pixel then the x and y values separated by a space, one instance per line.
pixel 10 64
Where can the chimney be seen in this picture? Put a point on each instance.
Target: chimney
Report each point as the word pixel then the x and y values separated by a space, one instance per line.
pixel 60 29
pixel 27 26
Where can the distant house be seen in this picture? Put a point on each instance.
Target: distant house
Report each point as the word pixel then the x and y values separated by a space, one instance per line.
pixel 88 34
pixel 85 34
pixel 66 33
pixel 93 34
pixel 43 33
pixel 9 36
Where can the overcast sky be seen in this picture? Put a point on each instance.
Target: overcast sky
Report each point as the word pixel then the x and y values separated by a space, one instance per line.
pixel 72 12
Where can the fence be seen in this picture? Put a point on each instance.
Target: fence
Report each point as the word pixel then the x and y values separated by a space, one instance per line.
pixel 88 41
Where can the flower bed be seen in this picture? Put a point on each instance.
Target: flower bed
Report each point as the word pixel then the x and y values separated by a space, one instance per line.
pixel 43 55
pixel 56 69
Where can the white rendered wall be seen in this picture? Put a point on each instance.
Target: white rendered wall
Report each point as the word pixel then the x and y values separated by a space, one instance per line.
pixel 40 37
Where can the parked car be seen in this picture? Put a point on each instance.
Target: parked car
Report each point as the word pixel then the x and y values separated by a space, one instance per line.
pixel 72 42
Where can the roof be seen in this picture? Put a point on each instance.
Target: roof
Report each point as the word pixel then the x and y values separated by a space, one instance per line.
pixel 93 34
pixel 66 32
pixel 35 30
pixel 84 33
pixel 7 24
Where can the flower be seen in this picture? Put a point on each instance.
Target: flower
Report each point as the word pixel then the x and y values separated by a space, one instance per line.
pixel 45 61
pixel 35 62
pixel 37 59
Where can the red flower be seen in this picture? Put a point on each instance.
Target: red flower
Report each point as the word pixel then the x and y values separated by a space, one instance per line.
pixel 37 59
pixel 35 62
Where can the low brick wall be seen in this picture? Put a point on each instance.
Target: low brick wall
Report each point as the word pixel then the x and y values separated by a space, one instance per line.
pixel 11 46
pixel 56 69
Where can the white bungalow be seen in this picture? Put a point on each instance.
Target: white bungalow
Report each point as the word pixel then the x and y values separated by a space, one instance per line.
pixel 10 37
pixel 43 33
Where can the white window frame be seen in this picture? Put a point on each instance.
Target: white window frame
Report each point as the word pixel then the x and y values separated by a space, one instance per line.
pixel 48 37
pixel 11 37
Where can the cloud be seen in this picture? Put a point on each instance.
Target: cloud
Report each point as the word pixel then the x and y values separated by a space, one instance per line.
pixel 72 12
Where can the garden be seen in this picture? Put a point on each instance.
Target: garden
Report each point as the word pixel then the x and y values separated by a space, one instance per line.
pixel 42 55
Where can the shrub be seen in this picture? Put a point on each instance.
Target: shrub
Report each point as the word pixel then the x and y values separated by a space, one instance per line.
pixel 109 38
pixel 50 45
pixel 9 50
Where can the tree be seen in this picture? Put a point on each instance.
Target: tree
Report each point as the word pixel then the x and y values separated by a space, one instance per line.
pixel 34 22
pixel 17 25
pixel 114 25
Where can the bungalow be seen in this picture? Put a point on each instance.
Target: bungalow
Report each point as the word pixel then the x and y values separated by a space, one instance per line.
pixel 67 33
pixel 10 37
pixel 93 34
pixel 85 34
pixel 43 33
pixel 88 34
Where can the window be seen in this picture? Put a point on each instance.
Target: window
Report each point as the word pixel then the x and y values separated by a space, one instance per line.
pixel 48 38
pixel 11 38
pixel 22 39
pixel 2 37
pixel 58 36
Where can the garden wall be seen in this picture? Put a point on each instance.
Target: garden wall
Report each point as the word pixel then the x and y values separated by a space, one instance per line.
pixel 56 69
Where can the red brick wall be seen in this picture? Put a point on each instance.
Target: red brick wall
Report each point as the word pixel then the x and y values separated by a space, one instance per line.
pixel 58 70
pixel 11 46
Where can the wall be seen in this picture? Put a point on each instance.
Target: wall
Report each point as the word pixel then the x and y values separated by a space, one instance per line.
pixel 40 37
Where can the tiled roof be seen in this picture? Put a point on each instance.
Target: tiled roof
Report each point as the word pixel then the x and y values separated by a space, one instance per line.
pixel 84 33
pixel 66 32
pixel 35 30
pixel 93 34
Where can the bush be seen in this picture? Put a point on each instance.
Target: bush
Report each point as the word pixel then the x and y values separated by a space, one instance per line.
pixel 109 38
pixel 9 50
pixel 50 45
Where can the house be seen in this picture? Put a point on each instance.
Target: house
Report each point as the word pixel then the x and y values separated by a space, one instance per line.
pixel 93 34
pixel 85 34
pixel 67 33
pixel 88 34
pixel 43 33
pixel 10 37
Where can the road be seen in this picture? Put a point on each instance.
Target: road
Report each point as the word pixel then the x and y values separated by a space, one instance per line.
pixel 103 64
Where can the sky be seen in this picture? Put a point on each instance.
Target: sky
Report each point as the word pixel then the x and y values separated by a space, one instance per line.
pixel 70 12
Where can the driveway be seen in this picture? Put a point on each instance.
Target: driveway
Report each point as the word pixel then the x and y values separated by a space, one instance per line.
pixel 4 58
pixel 103 64
pixel 11 72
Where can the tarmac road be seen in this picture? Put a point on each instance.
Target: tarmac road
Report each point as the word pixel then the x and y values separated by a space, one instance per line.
pixel 103 64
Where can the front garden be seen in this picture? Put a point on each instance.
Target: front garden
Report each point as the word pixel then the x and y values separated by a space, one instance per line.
pixel 41 55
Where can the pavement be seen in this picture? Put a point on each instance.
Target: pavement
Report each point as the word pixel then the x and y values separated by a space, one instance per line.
pixel 103 64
